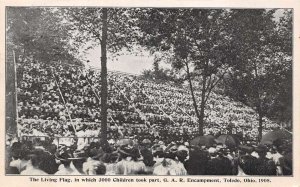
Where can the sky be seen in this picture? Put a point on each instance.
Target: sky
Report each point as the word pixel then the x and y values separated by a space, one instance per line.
pixel 131 63
pixel 125 63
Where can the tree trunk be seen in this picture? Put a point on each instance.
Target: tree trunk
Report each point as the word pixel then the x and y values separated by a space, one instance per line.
pixel 200 120
pixel 258 104
pixel 202 106
pixel 103 134
pixel 11 94
pixel 260 116
pixel 260 125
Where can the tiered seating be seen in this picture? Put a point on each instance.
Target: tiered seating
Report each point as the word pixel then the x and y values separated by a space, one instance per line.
pixel 61 93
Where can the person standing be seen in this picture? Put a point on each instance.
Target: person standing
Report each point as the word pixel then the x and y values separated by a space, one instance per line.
pixel 264 166
pixel 32 167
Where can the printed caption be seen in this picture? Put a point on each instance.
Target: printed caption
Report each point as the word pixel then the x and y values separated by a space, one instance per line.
pixel 147 180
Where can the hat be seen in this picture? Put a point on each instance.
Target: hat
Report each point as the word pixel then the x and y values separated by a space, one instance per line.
pixel 246 148
pixel 182 148
pixel 63 154
pixel 125 150
pixel 96 153
pixel 79 154
pixel 212 150
pixel 171 148
pixel 111 141
pixel 261 148
pixel 146 141
pixel 157 147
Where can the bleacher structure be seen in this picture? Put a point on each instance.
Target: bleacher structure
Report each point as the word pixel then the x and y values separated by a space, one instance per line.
pixel 57 95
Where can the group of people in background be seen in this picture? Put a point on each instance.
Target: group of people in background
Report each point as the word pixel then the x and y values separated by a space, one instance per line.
pixel 57 99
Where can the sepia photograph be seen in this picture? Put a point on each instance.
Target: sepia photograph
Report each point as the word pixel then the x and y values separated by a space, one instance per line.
pixel 150 91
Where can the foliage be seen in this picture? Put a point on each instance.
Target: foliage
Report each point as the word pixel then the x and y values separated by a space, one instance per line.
pixel 262 68
pixel 196 40
pixel 87 26
pixel 40 34
pixel 111 28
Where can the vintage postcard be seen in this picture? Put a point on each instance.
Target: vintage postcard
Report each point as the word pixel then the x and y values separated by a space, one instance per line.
pixel 150 93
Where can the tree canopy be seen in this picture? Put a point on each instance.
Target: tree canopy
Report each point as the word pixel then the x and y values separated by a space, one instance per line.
pixel 111 28
pixel 40 34
pixel 247 47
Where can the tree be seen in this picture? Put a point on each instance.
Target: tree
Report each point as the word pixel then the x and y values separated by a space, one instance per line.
pixel 113 29
pixel 197 41
pixel 258 53
pixel 279 71
pixel 40 34
pixel 162 75
pixel 32 33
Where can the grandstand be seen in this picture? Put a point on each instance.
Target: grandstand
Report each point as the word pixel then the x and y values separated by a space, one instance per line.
pixel 63 100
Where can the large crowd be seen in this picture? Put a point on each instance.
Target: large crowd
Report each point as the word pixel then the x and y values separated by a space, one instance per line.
pixel 134 157
pixel 57 99
pixel 150 127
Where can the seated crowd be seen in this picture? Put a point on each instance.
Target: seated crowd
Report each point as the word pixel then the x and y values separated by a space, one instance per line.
pixel 50 98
